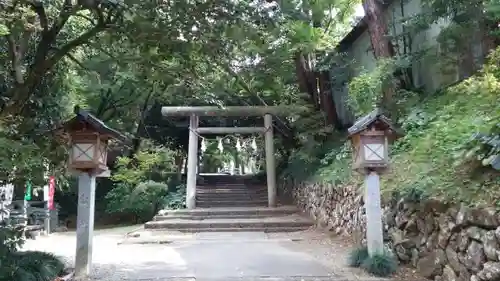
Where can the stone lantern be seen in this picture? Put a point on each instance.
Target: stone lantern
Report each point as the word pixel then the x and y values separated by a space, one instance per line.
pixel 370 137
pixel 88 138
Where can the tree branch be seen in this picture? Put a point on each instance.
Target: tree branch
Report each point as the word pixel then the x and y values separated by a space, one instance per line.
pixel 15 59
pixel 42 16
pixel 82 39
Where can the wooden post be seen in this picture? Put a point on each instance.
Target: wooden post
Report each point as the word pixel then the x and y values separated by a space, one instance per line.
pixel 85 224
pixel 192 163
pixel 374 236
pixel 270 163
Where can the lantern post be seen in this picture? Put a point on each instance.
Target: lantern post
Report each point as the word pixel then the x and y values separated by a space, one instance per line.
pixel 88 138
pixel 370 137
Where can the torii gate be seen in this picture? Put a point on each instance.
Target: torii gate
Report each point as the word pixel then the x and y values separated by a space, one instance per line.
pixel 195 112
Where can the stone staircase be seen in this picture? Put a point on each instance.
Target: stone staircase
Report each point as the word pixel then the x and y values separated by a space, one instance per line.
pixel 230 204
pixel 230 191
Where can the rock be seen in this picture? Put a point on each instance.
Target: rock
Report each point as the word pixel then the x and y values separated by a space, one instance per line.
pixel 453 260
pixel 463 240
pixel 446 227
pixel 402 253
pixel 475 257
pixel 401 220
pixel 490 272
pixel 396 235
pixel 432 241
pixel 463 215
pixel 414 257
pixel 411 226
pixel 475 233
pixel 464 274
pixel 474 278
pixel 432 264
pixel 449 274
pixel 491 245
pixel 483 217
pixel 390 218
pixel 497 233
pixel 453 242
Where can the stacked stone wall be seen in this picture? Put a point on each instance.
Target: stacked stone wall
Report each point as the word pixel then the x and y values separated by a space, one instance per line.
pixel 443 242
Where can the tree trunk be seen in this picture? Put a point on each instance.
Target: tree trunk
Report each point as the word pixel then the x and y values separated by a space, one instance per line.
pixel 381 45
pixel 327 102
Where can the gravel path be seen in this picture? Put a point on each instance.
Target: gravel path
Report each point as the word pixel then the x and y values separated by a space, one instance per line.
pixel 305 256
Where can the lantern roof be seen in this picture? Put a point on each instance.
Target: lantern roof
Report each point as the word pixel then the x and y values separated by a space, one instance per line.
pixel 374 117
pixel 93 123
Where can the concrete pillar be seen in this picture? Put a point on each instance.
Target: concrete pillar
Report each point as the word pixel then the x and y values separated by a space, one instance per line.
pixel 374 235
pixel 270 161
pixel 85 224
pixel 192 163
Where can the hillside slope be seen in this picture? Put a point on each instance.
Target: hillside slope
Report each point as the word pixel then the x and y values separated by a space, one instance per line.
pixel 439 156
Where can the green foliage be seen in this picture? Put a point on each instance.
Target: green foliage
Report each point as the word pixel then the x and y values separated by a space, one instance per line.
pixel 148 161
pixel 35 266
pixel 447 153
pixel 357 256
pixel 143 200
pixel 365 90
pixel 25 265
pixel 380 264
pixel 176 199
pixel 435 154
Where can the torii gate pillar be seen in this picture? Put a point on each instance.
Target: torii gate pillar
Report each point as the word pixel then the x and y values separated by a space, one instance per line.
pixel 270 161
pixel 192 162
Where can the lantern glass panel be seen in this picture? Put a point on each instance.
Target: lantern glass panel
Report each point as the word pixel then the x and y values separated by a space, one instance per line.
pixel 83 152
pixel 103 152
pixel 374 152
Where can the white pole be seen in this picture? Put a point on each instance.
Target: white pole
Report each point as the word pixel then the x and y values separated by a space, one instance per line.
pixel 47 211
pixel 270 163
pixel 85 224
pixel 46 198
pixel 192 163
pixel 373 209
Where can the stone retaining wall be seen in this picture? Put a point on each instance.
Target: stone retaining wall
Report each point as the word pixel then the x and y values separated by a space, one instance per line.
pixel 442 242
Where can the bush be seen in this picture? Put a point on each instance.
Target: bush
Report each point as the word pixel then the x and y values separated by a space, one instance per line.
pixel 358 256
pixel 380 264
pixel 143 200
pixel 177 199
pixel 28 265
pixel 35 266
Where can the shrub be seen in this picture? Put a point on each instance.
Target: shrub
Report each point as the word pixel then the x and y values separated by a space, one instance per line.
pixel 358 256
pixel 28 265
pixel 143 200
pixel 35 266
pixel 177 199
pixel 380 264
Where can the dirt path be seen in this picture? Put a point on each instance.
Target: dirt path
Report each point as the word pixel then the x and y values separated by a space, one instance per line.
pixel 304 256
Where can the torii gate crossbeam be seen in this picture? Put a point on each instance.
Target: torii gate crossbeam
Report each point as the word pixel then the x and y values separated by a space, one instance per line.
pixel 195 112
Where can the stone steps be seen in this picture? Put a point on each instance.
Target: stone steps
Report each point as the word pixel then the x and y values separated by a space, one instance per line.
pixel 231 195
pixel 252 219
pixel 230 203
pixel 246 229
pixel 216 212
pixel 206 217
pixel 230 224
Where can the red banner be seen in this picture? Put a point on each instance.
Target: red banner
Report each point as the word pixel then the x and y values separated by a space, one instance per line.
pixel 52 190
